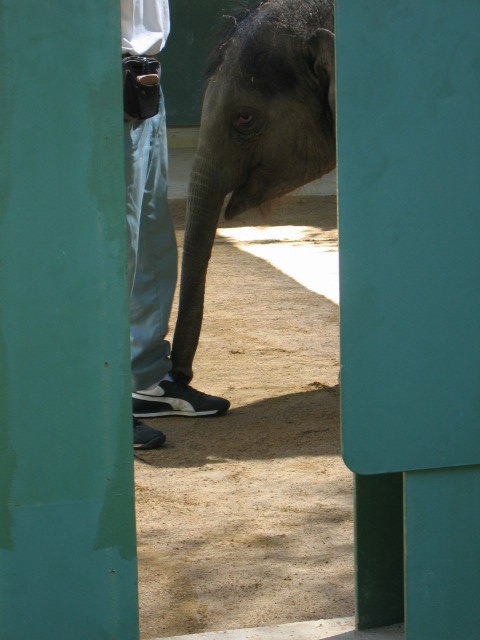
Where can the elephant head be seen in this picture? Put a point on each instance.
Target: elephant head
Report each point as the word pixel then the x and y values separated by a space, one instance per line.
pixel 267 128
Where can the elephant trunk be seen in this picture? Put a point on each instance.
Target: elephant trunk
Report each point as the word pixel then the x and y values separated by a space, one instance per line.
pixel 205 199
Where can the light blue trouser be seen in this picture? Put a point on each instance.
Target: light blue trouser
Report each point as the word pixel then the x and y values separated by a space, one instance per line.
pixel 152 248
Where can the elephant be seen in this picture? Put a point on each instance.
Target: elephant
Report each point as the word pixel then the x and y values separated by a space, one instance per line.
pixel 267 127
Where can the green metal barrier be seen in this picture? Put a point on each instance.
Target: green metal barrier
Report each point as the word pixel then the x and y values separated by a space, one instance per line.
pixel 408 90
pixel 67 528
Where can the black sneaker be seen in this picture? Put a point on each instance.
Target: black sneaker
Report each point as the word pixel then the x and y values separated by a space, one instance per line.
pixel 145 437
pixel 176 399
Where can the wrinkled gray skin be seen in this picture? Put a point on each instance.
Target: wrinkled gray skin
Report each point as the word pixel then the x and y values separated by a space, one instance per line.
pixel 267 128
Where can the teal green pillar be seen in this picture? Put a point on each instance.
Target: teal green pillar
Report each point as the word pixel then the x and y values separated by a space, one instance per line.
pixel 67 527
pixel 379 544
pixel 408 90
pixel 442 560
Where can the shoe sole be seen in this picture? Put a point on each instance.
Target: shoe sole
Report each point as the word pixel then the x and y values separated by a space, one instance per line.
pixel 155 444
pixel 183 414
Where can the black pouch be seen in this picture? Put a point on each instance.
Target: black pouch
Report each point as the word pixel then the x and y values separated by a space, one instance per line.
pixel 141 87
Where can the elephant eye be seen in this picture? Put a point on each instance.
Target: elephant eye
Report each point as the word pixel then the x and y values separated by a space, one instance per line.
pixel 247 121
pixel 243 118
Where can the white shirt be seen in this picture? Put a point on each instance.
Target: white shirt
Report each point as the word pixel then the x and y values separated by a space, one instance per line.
pixel 145 26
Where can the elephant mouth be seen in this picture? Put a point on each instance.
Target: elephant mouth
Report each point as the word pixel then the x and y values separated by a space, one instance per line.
pixel 249 195
pixel 241 201
pixel 235 206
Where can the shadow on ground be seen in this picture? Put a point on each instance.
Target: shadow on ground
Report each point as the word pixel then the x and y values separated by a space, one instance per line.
pixel 305 424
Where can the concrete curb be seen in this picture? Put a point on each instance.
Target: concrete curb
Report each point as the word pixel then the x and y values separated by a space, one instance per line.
pixel 335 629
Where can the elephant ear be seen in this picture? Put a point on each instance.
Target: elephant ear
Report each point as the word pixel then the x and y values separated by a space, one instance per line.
pixel 322 49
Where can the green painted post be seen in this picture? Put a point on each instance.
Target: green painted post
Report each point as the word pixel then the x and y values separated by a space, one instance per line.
pixel 67 529
pixel 442 518
pixel 408 90
pixel 379 574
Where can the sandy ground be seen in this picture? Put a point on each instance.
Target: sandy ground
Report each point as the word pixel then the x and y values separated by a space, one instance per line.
pixel 246 520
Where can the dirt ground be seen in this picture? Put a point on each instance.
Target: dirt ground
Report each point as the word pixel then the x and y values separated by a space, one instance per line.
pixel 246 520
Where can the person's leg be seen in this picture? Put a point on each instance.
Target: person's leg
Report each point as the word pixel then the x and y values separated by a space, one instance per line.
pixel 152 264
pixel 152 277
pixel 152 259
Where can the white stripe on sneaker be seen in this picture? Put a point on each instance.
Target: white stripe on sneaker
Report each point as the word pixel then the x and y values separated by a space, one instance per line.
pixel 177 404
